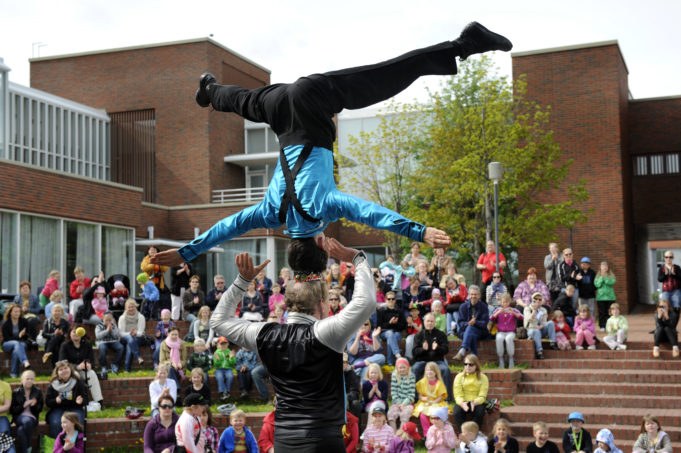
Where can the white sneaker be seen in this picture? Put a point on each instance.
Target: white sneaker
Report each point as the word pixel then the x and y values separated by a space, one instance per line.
pixel 579 348
pixel 622 347
pixel 592 347
pixel 602 329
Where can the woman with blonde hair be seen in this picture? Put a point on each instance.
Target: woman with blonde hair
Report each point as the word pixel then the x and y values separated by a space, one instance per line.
pixel 470 392
pixel 605 293
pixel 66 392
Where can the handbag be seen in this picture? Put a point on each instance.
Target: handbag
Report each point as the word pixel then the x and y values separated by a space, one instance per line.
pixel 521 333
pixel 492 405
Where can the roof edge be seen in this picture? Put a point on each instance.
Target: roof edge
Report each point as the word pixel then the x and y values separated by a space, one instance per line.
pixel 657 98
pixel 148 46
pixel 589 45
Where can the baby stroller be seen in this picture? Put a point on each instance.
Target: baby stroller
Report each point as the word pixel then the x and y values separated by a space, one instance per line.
pixel 119 285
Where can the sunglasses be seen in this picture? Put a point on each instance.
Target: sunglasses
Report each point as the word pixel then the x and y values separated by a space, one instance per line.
pixel 669 257
pixel 497 276
pixel 389 298
pixel 468 364
pixel 333 298
pixel 166 406
pixel 568 254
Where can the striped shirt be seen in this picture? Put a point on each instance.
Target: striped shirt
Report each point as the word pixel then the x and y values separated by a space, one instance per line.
pixel 377 440
pixel 404 391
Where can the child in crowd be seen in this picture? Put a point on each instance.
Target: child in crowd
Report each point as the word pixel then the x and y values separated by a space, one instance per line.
pixel 119 294
pixel 432 394
pixel 616 329
pixel 376 437
pixel 211 432
pixel 246 360
pixel 200 358
pixel 149 293
pixel 237 437
pixel 174 354
pixel 161 386
pixel 652 439
pixel 350 433
pixel 471 439
pixel 374 388
pixel 440 317
pixel 605 292
pixel 456 294
pixel 414 326
pixel 506 318
pixel 606 442
pixel 57 298
pixel 198 385
pixel 201 327
pixel 501 441
pixel 276 297
pixel 576 439
pixel 334 302
pixel 440 437
pixel 585 328
pixel 224 360
pixel 51 285
pixel 541 444
pixel 403 440
pixel 402 391
pixel 54 332
pixel 72 438
pixel 100 304
pixel 26 403
pixel 562 331
pixel 281 312
pixel 161 332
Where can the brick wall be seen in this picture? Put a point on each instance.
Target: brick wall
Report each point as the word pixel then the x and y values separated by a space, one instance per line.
pixel 586 89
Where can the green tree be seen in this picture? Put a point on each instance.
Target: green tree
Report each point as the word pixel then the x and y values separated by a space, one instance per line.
pixel 479 117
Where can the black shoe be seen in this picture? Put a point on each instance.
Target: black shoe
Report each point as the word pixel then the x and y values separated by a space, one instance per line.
pixel 554 346
pixel 202 97
pixel 477 39
pixel 539 355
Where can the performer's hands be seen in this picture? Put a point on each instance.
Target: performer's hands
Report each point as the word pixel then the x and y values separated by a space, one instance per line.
pixel 338 250
pixel 436 238
pixel 169 257
pixel 245 265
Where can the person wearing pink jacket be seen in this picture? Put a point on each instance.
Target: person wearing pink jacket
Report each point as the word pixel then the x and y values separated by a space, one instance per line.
pixel 585 328
pixel 440 437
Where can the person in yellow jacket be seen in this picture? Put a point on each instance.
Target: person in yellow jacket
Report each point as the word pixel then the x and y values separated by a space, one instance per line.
pixel 432 394
pixel 154 271
pixel 470 392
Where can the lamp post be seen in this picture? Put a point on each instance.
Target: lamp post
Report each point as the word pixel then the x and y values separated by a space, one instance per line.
pixel 495 171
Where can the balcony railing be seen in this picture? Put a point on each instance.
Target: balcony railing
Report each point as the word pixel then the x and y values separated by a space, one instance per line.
pixel 243 195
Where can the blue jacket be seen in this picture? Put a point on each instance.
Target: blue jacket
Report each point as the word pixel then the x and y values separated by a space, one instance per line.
pixel 248 358
pixel 227 441
pixel 466 313
pixel 319 197
pixel 150 291
pixel 33 303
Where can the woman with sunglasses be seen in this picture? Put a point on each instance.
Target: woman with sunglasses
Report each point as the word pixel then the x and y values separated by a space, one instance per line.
pixel 159 434
pixel 669 274
pixel 495 291
pixel 470 392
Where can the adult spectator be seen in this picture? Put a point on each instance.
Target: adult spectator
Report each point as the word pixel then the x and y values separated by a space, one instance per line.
pixel 587 289
pixel 564 304
pixel 605 292
pixel 27 402
pixel 535 320
pixel 415 256
pixel 5 403
pixel 180 276
pixel 472 325
pixel 108 337
pixel 259 374
pixel 454 273
pixel 392 322
pixel 76 290
pixel 201 328
pixel 159 434
pixel 264 286
pixel 78 352
pixel 252 304
pixel 193 299
pixel 15 338
pixel 66 392
pixel 30 308
pixel 213 296
pixel 364 348
pixel 131 325
pixel 352 389
pixel 666 320
pixel 174 355
pixel 154 271
pixel 431 345
pixel 669 274
pixel 487 263
pixel 567 272
pixel 523 293
pixel 494 291
pixel 425 280
pixel 54 331
pixel 455 295
pixel 161 387
pixel 470 392
pixel 552 263
pixel 319 342
pixel 438 266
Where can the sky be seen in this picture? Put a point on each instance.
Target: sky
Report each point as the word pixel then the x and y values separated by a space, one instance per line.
pixel 298 37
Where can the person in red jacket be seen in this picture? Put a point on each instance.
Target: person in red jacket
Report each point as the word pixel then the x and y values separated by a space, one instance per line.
pixel 351 433
pixel 266 437
pixel 455 295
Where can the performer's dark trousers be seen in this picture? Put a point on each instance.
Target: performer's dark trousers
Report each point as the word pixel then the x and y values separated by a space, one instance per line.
pixel 310 102
pixel 310 445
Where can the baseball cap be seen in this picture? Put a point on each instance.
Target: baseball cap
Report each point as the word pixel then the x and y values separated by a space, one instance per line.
pixel 586 260
pixel 222 340
pixel 576 416
pixel 378 406
pixel 411 429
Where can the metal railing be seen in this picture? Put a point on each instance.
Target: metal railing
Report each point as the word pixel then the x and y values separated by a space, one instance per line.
pixel 242 195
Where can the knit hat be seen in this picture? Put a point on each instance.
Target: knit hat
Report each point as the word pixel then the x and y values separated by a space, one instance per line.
pixel 100 289
pixel 164 312
pixel 142 277
pixel 411 429
pixel 401 360
pixel 435 291
pixel 441 412
pixel 119 285
pixel 80 332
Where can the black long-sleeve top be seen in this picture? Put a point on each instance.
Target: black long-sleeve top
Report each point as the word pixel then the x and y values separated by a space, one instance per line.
pixel 8 332
pixel 49 326
pixel 68 351
pixel 19 398
pixel 386 314
pixel 78 390
pixel 429 354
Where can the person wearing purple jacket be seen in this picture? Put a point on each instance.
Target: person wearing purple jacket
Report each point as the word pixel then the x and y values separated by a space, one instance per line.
pixel 472 324
pixel 585 328
pixel 159 434
pixel 506 317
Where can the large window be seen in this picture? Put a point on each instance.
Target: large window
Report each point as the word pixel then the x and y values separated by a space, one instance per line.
pixel 8 251
pixel 657 164
pixel 117 251
pixel 39 248
pixel 257 249
pixel 81 247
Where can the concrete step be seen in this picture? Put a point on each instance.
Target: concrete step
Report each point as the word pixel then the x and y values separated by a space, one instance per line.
pixel 636 401
pixel 601 376
pixel 608 389
pixel 590 363
pixel 608 354
pixel 595 416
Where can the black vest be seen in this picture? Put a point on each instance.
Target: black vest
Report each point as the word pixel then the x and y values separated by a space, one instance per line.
pixel 307 378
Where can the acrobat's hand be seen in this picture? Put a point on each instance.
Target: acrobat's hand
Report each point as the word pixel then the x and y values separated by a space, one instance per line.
pixel 245 265
pixel 169 257
pixel 436 238
pixel 320 240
